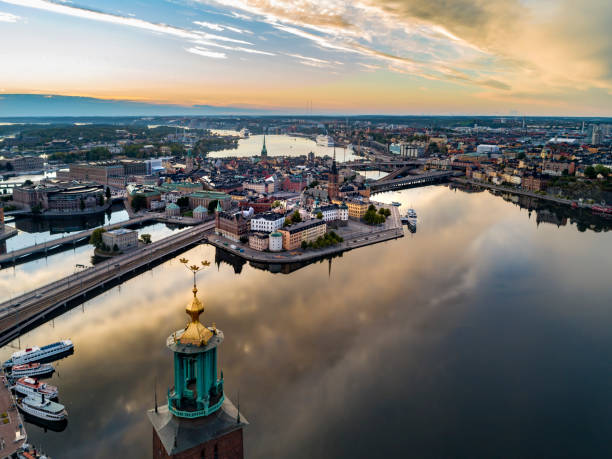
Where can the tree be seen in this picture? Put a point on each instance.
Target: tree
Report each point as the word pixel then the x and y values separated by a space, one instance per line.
pixel 139 202
pixel 589 172
pixel 96 237
pixel 101 200
pixel 276 204
pixel 115 248
pixel 108 193
pixel 145 238
pixel 212 205
pixel 304 245
pixel 521 155
pixel 9 167
pixel 320 215
pixel 287 222
pixel 296 217
pixel 28 182
pixel 183 201
pixel 603 170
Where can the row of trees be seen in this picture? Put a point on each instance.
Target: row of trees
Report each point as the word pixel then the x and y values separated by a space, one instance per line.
pixel 321 242
pixel 372 217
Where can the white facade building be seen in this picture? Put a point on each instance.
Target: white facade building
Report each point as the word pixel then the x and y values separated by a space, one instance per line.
pixel 267 222
pixel 276 242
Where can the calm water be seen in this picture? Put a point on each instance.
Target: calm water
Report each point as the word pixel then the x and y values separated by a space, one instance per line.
pixel 28 276
pixel 281 145
pixel 487 333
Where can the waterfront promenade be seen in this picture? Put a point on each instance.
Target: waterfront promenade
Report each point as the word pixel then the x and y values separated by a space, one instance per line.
pixel 355 235
pixel 22 311
pixel 531 194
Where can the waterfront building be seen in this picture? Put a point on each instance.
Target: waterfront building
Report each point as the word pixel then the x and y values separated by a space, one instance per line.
pixel 276 241
pixel 151 195
pixel 534 183
pixel 407 150
pixel 204 198
pixel 198 421
pixel 308 231
pixel 173 210
pixel 96 172
pixel 259 241
pixel 27 163
pixel 200 213
pixel 231 225
pixel 267 222
pixel 557 168
pixel 58 197
pixel 124 239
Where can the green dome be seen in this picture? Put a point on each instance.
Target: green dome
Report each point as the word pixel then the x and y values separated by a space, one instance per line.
pixel 276 234
pixel 172 206
pixel 201 209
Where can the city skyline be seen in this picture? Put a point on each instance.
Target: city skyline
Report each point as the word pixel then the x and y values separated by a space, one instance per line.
pixel 390 57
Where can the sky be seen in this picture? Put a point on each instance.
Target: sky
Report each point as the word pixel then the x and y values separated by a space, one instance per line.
pixel 412 57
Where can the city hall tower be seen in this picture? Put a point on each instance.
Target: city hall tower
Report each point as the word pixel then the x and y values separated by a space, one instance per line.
pixel 198 421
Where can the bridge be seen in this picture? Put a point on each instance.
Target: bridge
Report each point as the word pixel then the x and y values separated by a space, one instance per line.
pixel 23 311
pixel 19 255
pixel 380 165
pixel 427 178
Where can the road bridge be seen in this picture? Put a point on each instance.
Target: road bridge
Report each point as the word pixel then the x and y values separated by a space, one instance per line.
pixel 427 178
pixel 374 165
pixel 17 256
pixel 21 312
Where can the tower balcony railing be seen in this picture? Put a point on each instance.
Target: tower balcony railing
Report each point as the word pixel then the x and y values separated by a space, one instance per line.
pixel 195 414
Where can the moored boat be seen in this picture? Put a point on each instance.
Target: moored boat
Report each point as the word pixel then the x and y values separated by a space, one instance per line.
pixel 29 386
pixel 31 369
pixel 396 204
pixel 37 354
pixel 410 218
pixel 41 407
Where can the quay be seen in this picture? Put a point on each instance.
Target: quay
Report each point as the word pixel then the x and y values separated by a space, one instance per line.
pixel 392 229
pixel 7 233
pixel 531 194
pixel 12 431
pixel 22 311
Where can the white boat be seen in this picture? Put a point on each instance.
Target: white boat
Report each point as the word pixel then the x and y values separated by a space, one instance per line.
pixel 325 141
pixel 41 407
pixel 244 133
pixel 36 354
pixel 396 204
pixel 32 386
pixel 31 369
pixel 410 218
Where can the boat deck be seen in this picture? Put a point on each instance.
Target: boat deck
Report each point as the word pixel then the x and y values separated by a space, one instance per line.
pixel 12 430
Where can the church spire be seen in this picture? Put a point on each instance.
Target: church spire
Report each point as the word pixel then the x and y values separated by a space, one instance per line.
pixel 264 151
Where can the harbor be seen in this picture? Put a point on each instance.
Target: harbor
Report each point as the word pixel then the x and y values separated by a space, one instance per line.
pixel 12 431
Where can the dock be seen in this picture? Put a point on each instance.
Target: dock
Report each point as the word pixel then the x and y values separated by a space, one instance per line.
pixel 12 430
pixel 22 311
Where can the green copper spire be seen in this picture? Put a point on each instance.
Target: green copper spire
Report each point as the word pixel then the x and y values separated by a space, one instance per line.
pixel 264 151
pixel 219 208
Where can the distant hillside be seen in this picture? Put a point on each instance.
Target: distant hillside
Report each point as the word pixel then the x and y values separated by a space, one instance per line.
pixel 35 105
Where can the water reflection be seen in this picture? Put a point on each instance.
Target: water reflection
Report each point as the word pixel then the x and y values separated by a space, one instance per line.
pixel 480 330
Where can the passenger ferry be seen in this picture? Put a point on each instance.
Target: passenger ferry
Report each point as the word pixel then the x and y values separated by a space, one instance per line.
pixel 410 218
pixel 30 386
pixel 41 407
pixel 325 141
pixel 36 354
pixel 31 369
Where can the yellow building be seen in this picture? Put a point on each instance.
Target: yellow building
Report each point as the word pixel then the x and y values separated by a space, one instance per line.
pixel 356 208
pixel 308 231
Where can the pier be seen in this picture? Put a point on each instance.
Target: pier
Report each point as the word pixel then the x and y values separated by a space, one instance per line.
pixel 12 431
pixel 22 311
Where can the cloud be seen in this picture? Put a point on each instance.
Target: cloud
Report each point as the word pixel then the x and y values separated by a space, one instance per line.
pixel 8 17
pixel 497 44
pixel 206 53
